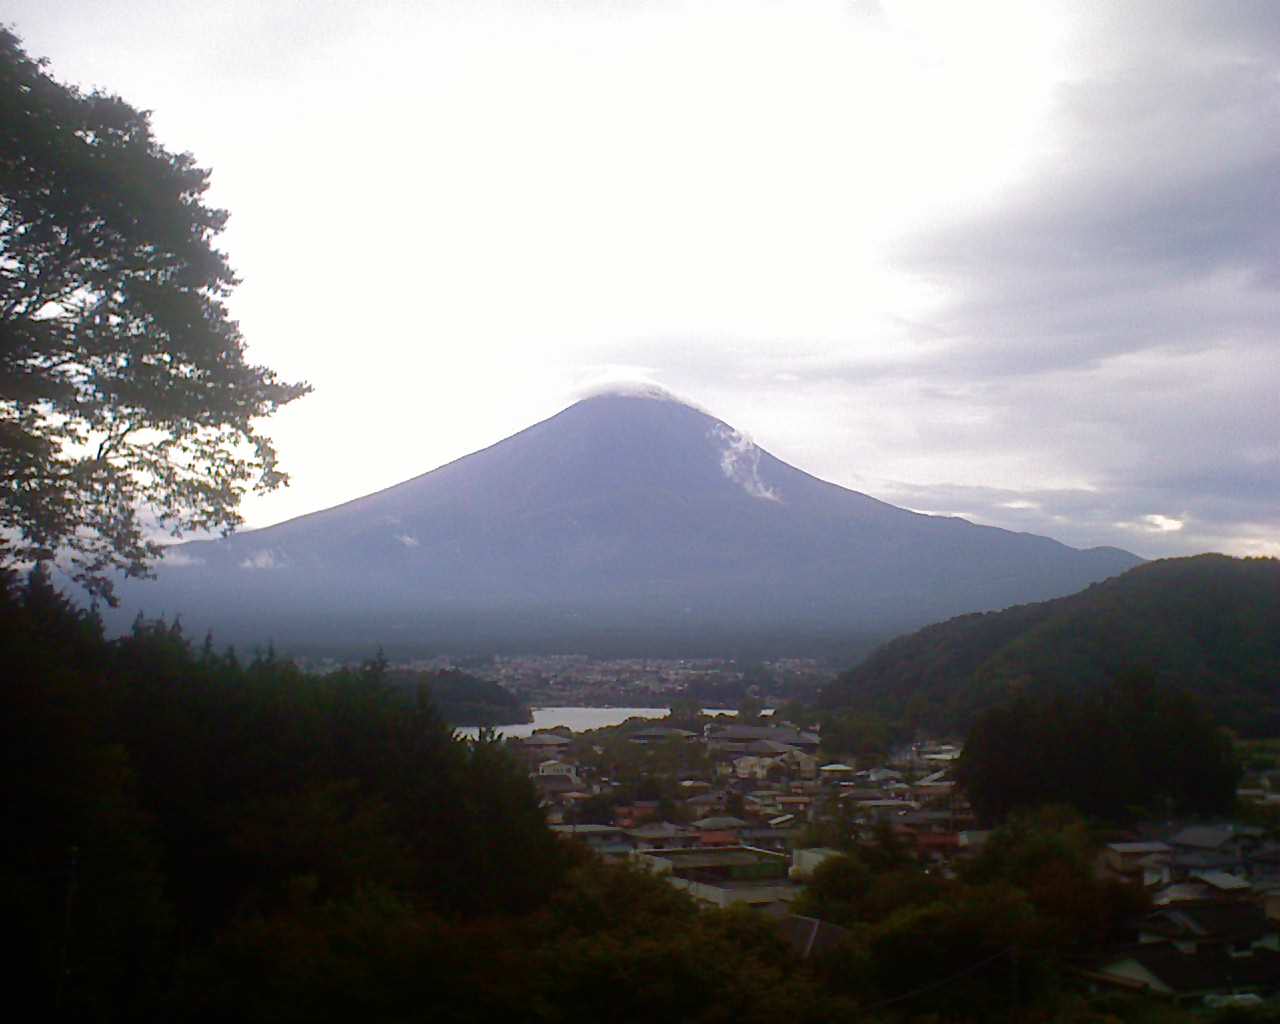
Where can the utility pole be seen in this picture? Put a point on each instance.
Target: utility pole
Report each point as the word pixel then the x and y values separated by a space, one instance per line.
pixel 1013 980
pixel 64 958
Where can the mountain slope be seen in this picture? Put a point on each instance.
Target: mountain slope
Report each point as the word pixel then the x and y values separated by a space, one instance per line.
pixel 1209 624
pixel 621 519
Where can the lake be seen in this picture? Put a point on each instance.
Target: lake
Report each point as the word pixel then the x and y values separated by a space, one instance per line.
pixel 579 719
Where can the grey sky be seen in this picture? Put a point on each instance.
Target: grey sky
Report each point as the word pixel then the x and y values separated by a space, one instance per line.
pixel 1013 261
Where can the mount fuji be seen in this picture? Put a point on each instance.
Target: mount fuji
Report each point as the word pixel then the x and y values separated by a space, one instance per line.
pixel 626 524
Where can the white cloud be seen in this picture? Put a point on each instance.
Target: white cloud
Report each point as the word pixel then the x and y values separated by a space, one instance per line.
pixel 174 557
pixel 1163 524
pixel 740 462
pixel 262 560
pixel 633 382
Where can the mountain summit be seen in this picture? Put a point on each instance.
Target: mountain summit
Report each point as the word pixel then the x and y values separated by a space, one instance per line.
pixel 626 522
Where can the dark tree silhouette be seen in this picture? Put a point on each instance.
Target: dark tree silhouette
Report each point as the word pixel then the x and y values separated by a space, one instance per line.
pixel 123 381
pixel 1133 747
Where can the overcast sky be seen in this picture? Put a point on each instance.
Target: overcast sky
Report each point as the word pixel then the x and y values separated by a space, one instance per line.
pixel 1017 262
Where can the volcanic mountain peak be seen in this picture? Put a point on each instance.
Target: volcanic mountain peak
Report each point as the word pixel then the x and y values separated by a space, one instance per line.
pixel 638 389
pixel 647 426
pixel 627 508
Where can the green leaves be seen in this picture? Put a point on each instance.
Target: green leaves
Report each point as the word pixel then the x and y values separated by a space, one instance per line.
pixel 123 381
pixel 1136 745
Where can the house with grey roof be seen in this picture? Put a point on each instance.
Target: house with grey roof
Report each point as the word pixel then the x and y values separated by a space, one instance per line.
pixel 810 937
pixel 662 835
pixel 719 823
pixel 1194 950
pixel 1142 863
pixel 1225 847
pixel 607 840
pixel 658 734
pixel 727 876
pixel 737 738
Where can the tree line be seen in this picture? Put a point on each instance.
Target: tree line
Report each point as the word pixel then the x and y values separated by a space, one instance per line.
pixel 202 836
pixel 1209 624
pixel 1136 748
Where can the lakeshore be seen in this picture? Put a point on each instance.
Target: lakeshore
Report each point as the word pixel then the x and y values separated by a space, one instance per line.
pixel 578 719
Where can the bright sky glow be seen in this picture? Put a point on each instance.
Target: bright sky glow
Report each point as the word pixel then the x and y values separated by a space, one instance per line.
pixel 998 258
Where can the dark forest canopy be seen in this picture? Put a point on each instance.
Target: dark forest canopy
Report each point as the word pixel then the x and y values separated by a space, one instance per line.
pixel 205 839
pixel 176 794
pixel 1133 749
pixel 464 699
pixel 123 379
pixel 195 837
pixel 1209 624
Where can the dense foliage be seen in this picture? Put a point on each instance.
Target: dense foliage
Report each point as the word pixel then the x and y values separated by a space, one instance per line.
pixel 1208 624
pixel 164 798
pixel 199 839
pixel 196 838
pixel 464 699
pixel 123 381
pixel 1000 936
pixel 1134 747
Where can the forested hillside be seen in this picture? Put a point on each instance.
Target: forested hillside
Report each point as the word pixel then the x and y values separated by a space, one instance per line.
pixel 190 836
pixel 1131 750
pixel 1208 624
pixel 168 796
pixel 464 699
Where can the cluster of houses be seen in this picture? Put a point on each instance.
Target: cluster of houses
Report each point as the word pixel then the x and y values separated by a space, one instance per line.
pixel 738 828
pixel 772 780
pixel 1213 933
pixel 742 830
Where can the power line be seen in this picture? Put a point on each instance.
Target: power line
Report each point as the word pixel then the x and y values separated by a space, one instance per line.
pixel 941 982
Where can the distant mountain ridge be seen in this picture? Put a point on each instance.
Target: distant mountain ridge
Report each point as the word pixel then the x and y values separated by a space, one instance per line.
pixel 1209 624
pixel 624 524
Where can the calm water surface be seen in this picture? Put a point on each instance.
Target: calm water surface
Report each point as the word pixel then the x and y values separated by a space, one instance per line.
pixel 580 719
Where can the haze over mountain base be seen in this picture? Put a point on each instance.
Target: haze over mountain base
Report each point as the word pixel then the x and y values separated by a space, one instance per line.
pixel 626 524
